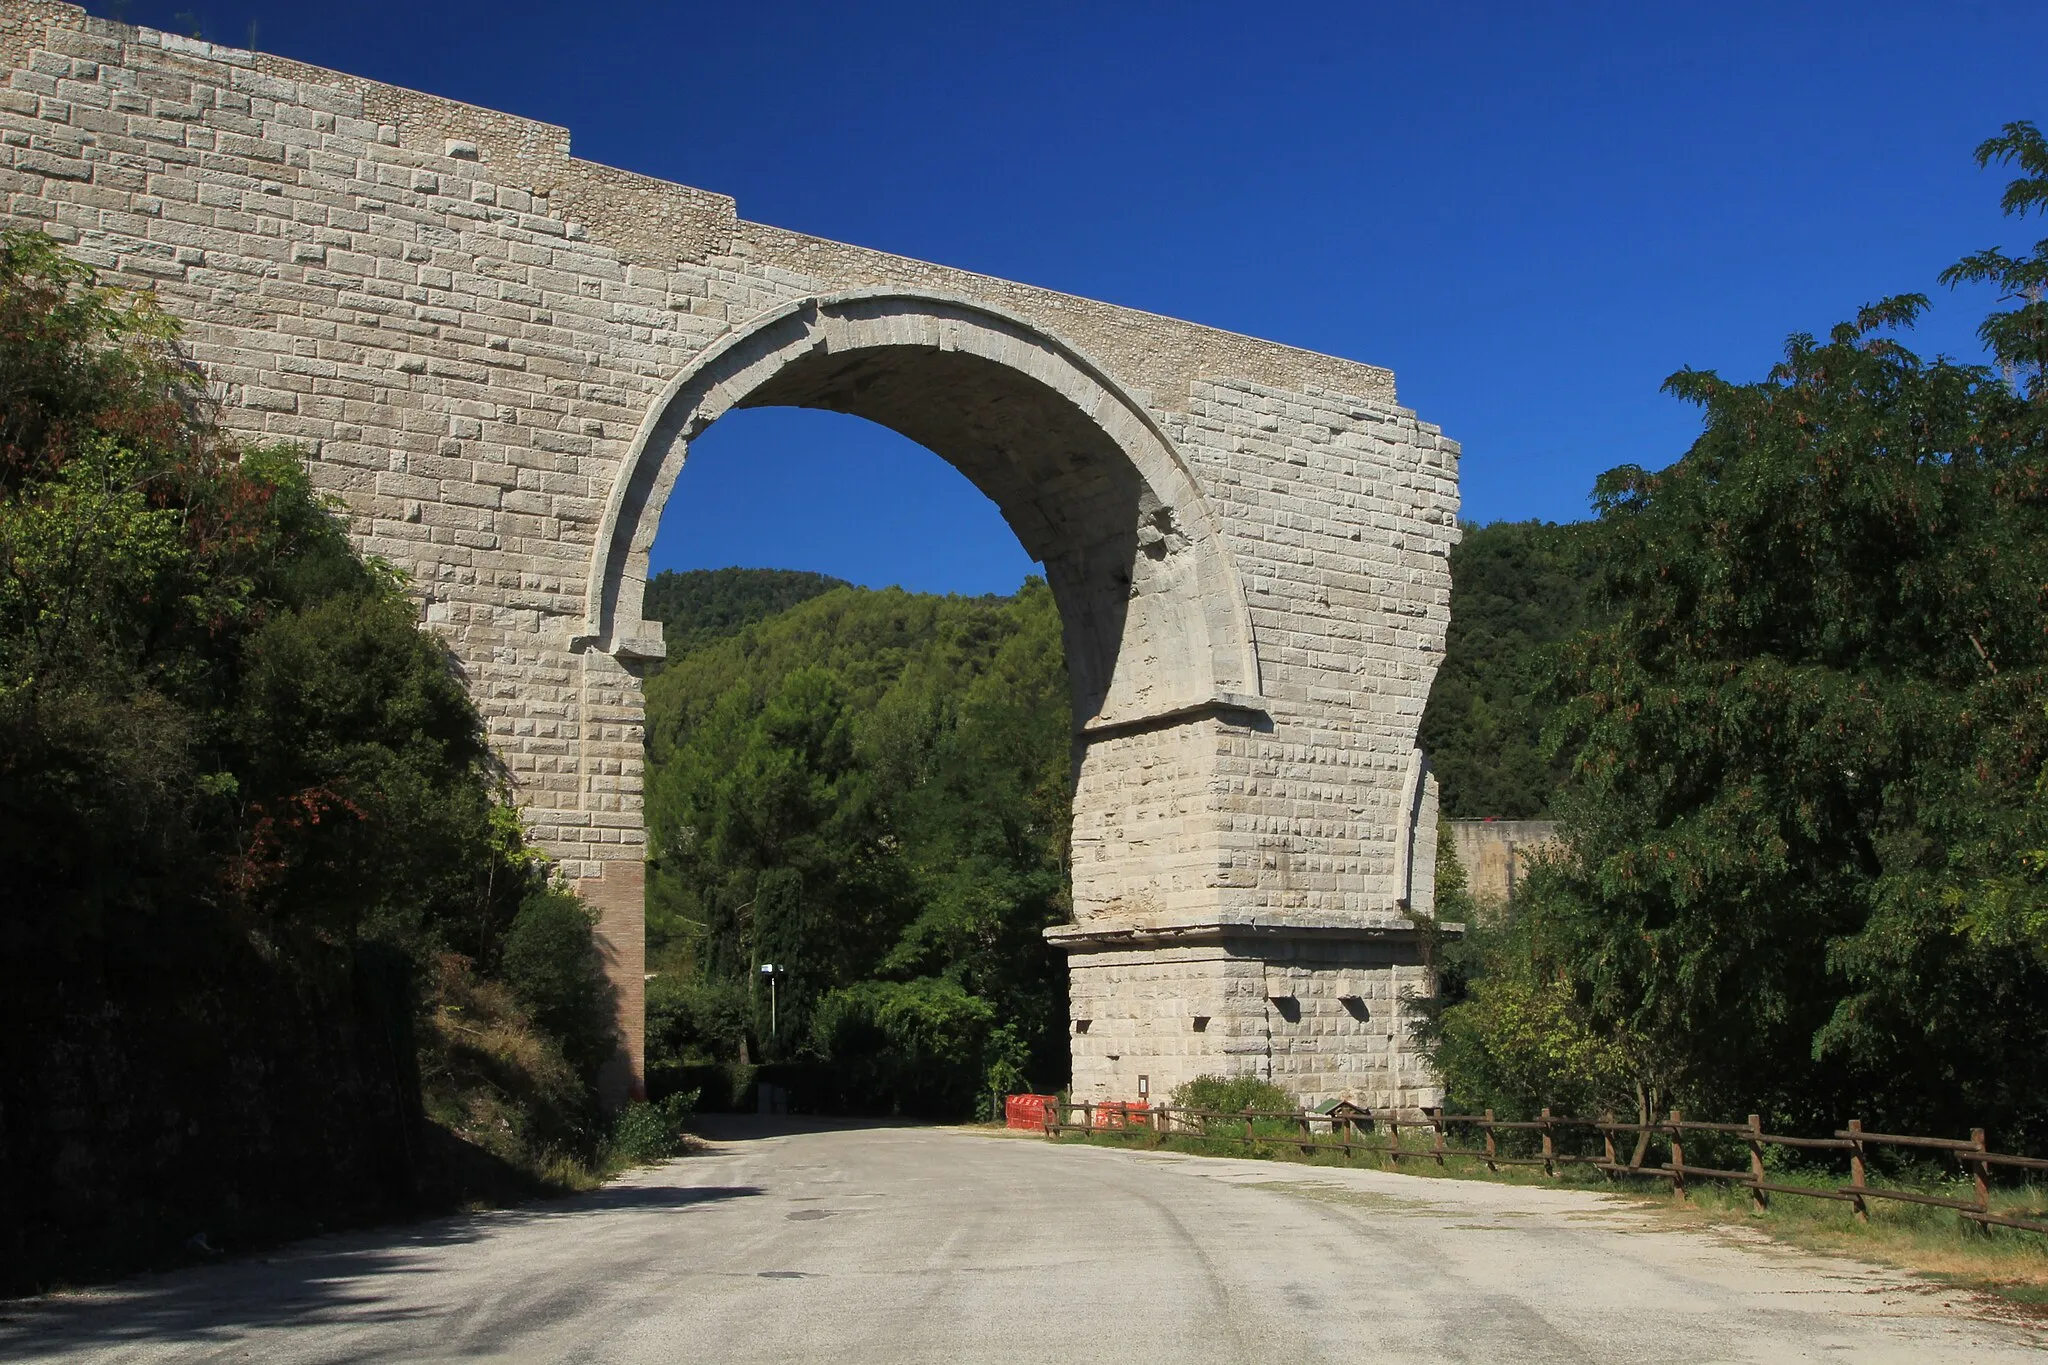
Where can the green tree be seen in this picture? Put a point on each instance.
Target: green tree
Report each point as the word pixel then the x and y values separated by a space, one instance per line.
pixel 869 788
pixel 1505 1029
pixel 1518 589
pixel 1806 752
pixel 2016 337
pixel 910 1047
pixel 257 846
pixel 548 963
pixel 697 607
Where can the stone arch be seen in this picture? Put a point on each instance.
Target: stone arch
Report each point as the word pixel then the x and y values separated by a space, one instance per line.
pixel 1226 842
pixel 1155 618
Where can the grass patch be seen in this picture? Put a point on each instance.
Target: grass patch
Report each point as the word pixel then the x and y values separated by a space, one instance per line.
pixel 2007 1262
pixel 522 1120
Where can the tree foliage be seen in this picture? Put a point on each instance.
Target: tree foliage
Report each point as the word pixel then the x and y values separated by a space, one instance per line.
pixel 921 1045
pixel 698 606
pixel 2016 337
pixel 1518 589
pixel 249 818
pixel 1806 744
pixel 871 792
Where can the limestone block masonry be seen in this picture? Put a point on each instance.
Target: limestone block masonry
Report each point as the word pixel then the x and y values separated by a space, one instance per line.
pixel 1496 855
pixel 496 355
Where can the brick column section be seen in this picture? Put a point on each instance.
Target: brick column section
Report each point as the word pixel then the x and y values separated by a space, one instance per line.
pixel 619 893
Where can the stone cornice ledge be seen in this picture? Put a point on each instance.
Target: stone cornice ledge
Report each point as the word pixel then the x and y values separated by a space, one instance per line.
pixel 1165 930
pixel 1246 709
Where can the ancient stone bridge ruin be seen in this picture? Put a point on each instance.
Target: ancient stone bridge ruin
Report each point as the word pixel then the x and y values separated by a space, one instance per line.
pixel 496 356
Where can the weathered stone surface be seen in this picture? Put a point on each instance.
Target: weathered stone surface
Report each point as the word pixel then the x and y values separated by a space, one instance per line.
pixel 1496 853
pixel 496 355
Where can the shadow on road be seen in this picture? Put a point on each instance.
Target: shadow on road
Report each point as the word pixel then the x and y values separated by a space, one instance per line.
pixel 726 1128
pixel 328 1278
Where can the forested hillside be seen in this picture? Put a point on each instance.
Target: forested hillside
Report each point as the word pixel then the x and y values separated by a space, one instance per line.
pixel 697 606
pixel 1518 589
pixel 869 791
pixel 267 911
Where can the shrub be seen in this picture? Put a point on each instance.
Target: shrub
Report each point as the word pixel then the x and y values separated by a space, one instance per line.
pixel 696 1022
pixel 645 1133
pixel 1229 1094
pixel 906 1047
pixel 551 963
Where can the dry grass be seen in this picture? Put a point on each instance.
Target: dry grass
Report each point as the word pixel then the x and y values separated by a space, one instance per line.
pixel 496 1082
pixel 2007 1262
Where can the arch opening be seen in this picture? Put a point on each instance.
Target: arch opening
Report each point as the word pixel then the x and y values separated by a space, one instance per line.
pixel 1155 622
pixel 819 492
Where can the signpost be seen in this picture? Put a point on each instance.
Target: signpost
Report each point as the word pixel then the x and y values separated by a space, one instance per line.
pixel 771 971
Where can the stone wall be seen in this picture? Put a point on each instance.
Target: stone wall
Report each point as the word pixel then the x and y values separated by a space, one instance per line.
pixel 485 348
pixel 1318 1013
pixel 1495 854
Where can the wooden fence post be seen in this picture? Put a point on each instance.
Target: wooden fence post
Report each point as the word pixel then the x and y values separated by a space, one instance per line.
pixel 1678 1155
pixel 1307 1143
pixel 1491 1150
pixel 1756 1163
pixel 1981 1170
pixel 1607 1143
pixel 1436 1118
pixel 1393 1141
pixel 1549 1146
pixel 1248 1130
pixel 1857 1171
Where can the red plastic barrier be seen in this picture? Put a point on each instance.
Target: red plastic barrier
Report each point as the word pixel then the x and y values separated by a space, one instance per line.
pixel 1027 1111
pixel 1121 1114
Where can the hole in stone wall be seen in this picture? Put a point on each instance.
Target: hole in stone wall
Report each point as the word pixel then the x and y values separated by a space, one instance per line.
pixel 1201 1023
pixel 1355 1007
pixel 1289 1007
pixel 1081 1025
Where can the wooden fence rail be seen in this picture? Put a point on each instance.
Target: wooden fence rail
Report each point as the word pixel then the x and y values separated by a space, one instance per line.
pixel 1355 1132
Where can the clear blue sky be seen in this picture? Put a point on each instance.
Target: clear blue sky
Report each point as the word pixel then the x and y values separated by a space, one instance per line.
pixel 1531 214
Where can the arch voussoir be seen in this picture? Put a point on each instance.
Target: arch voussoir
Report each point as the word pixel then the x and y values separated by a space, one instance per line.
pixel 750 361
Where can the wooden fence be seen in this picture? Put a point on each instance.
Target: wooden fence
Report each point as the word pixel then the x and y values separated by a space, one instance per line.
pixel 1354 1133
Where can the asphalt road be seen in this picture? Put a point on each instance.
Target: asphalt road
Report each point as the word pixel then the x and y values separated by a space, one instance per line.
pixel 907 1244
